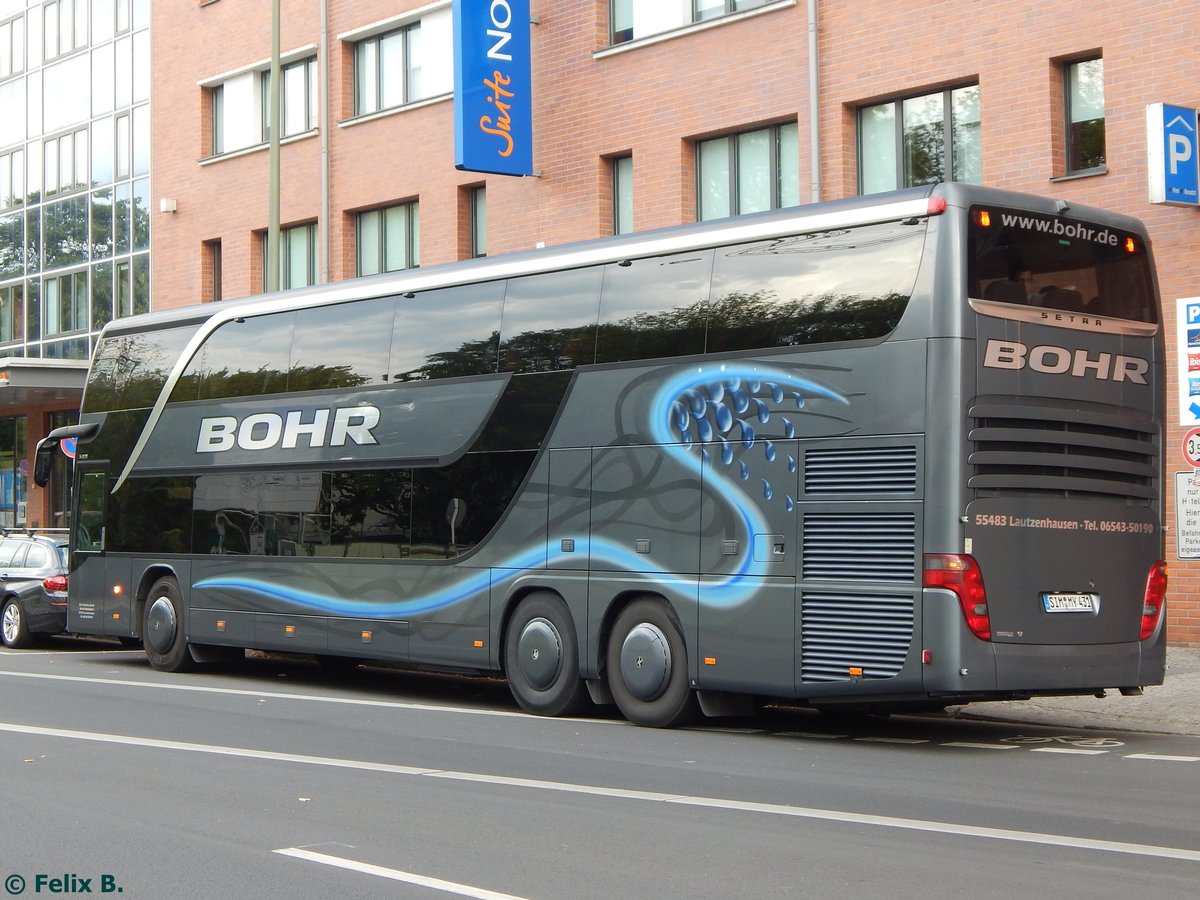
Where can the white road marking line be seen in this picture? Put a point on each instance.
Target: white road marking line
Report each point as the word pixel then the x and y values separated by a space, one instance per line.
pixel 971 745
pixel 436 884
pixel 315 698
pixel 1163 757
pixel 799 812
pixel 1075 750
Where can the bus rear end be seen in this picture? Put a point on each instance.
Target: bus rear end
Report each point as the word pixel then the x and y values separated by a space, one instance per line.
pixel 1060 582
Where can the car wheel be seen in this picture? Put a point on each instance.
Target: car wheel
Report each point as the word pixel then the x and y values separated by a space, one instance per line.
pixel 541 657
pixel 647 666
pixel 162 628
pixel 14 629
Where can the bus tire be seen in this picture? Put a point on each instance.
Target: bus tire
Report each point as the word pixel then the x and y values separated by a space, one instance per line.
pixel 541 657
pixel 647 666
pixel 162 628
pixel 14 627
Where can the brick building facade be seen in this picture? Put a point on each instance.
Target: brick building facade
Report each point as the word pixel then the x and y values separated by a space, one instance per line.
pixel 653 81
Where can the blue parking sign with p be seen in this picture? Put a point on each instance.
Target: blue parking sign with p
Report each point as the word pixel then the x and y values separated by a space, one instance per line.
pixel 1173 160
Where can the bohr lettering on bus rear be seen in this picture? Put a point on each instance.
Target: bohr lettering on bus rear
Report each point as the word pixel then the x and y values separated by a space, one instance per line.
pixel 266 431
pixel 1051 360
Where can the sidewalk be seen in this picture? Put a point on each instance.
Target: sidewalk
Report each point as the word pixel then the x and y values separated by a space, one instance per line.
pixel 1171 708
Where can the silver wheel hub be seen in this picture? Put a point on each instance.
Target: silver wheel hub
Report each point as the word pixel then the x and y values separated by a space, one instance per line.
pixel 12 622
pixel 539 653
pixel 646 661
pixel 160 625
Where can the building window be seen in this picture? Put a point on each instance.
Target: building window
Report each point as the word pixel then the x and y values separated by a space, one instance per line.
pixel 748 172
pixel 239 106
pixel 12 47
pixel 1085 115
pixel 67 166
pixel 632 19
pixel 712 9
pixel 65 300
pixel 478 221
pixel 920 140
pixel 211 288
pixel 387 70
pixel 12 178
pixel 12 312
pixel 389 239
pixel 622 200
pixel 297 98
pixel 621 21
pixel 64 27
pixel 297 256
pixel 216 99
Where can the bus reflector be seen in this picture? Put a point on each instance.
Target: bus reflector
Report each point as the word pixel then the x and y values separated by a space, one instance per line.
pixel 366 637
pixel 478 644
pixel 856 671
pixel 289 630
pixel 1155 599
pixel 961 574
pixel 710 660
pixel 220 624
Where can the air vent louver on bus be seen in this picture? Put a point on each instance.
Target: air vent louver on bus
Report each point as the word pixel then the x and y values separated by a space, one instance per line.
pixel 1061 449
pixel 860 546
pixel 840 632
pixel 891 470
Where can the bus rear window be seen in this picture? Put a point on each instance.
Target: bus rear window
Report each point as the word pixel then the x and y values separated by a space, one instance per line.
pixel 1027 259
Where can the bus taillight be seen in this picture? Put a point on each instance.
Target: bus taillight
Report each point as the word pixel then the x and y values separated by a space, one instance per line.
pixel 961 574
pixel 1156 597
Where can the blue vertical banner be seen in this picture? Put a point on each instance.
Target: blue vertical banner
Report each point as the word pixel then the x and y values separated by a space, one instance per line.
pixel 493 90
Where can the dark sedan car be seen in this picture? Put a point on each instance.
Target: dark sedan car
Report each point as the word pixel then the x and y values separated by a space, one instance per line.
pixel 33 585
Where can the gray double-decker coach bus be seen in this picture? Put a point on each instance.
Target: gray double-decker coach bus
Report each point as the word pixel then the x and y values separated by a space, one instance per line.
pixel 901 449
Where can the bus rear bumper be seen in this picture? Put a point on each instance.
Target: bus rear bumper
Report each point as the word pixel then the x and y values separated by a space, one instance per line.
pixel 1079 668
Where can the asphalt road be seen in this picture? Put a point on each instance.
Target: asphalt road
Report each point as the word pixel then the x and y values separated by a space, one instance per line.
pixel 274 779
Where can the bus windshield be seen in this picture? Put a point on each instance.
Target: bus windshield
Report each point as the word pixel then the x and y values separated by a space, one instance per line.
pixel 1029 260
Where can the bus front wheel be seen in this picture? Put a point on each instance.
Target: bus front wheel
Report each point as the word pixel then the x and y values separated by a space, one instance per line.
pixel 162 628
pixel 541 657
pixel 647 666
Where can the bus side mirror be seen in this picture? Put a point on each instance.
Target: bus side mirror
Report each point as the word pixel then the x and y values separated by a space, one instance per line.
pixel 43 461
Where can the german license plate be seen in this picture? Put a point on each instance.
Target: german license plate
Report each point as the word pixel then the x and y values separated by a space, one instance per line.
pixel 1059 602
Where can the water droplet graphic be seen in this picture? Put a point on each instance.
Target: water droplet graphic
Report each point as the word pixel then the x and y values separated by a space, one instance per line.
pixel 705 430
pixel 764 411
pixel 770 451
pixel 768 493
pixel 745 471
pixel 726 451
pixel 723 416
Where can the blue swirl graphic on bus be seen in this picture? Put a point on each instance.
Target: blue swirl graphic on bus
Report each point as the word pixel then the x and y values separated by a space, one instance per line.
pixel 708 419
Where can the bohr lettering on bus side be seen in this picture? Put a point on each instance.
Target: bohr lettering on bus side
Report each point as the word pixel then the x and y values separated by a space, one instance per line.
pixel 1051 360
pixel 266 431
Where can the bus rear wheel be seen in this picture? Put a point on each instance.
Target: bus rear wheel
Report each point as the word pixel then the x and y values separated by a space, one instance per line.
pixel 162 628
pixel 647 666
pixel 541 657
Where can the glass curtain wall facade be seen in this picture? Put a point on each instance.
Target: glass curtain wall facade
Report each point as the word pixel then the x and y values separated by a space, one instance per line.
pixel 74 171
